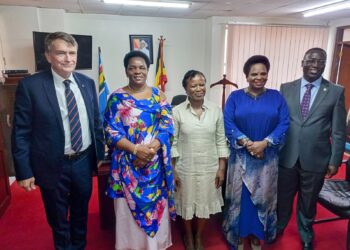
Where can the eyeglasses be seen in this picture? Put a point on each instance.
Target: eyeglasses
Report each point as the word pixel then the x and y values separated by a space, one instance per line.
pixel 315 61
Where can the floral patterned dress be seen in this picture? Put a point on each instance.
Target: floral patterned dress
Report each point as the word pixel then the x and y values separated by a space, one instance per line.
pixel 148 188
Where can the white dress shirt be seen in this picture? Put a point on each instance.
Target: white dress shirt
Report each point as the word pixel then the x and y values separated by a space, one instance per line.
pixel 83 116
pixel 314 90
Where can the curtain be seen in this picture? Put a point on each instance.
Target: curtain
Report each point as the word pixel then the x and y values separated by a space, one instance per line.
pixel 285 47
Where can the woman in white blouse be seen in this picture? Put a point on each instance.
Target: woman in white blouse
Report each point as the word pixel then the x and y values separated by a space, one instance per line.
pixel 199 152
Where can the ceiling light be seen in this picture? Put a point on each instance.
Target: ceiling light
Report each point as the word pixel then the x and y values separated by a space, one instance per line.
pixel 150 3
pixel 328 8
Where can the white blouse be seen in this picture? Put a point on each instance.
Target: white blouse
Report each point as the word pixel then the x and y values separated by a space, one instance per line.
pixel 199 142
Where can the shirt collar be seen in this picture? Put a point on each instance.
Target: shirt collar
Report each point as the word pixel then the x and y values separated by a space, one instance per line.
pixel 59 79
pixel 316 83
pixel 205 104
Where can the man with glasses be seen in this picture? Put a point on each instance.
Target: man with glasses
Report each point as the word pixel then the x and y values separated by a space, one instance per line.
pixel 314 143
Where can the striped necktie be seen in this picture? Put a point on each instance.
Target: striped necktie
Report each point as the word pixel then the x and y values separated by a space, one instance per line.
pixel 74 121
pixel 305 103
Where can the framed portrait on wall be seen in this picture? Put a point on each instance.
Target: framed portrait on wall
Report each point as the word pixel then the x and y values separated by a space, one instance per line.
pixel 143 43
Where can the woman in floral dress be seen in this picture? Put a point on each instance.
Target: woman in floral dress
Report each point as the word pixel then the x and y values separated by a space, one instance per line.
pixel 138 126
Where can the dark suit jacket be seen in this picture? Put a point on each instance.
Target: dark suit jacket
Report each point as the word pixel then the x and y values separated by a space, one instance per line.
pixel 38 135
pixel 318 141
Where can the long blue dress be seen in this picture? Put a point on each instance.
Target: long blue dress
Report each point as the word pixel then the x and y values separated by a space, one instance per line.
pixel 251 191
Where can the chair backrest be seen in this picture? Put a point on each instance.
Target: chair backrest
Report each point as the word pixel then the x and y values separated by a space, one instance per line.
pixel 178 99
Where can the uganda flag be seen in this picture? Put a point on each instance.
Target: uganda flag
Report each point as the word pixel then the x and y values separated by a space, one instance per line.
pixel 161 78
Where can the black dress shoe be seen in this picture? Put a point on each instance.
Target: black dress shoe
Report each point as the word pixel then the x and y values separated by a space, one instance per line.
pixel 307 246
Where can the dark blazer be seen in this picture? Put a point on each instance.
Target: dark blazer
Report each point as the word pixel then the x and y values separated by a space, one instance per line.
pixel 318 141
pixel 38 135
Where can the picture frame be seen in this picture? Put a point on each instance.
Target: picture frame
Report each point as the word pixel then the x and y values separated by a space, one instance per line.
pixel 142 43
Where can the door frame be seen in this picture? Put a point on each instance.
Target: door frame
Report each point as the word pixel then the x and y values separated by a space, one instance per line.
pixel 337 47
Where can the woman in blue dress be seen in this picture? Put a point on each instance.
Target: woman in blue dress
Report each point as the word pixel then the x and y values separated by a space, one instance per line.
pixel 256 120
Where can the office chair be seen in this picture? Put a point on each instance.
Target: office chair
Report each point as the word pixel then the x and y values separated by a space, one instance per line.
pixel 335 196
pixel 178 99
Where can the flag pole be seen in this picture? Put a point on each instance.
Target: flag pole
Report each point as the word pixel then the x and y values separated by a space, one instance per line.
pixel 161 77
pixel 339 62
pixel 161 41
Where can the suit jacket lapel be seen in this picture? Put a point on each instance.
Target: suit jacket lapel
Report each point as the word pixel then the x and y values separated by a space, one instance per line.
pixel 321 94
pixel 49 88
pixel 296 97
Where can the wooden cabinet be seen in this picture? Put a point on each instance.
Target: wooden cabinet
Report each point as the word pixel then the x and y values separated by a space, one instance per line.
pixel 7 100
pixel 5 192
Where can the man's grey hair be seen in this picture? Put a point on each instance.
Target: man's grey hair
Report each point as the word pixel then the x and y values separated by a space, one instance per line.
pixel 59 35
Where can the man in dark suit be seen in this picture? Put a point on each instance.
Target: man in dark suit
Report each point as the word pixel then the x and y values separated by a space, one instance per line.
pixel 57 140
pixel 314 143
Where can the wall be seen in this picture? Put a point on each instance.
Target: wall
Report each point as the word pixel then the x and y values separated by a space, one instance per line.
pixel 184 47
pixel 17 24
pixel 190 43
pixel 346 37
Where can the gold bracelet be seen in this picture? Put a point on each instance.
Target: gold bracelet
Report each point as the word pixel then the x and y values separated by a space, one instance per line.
pixel 135 149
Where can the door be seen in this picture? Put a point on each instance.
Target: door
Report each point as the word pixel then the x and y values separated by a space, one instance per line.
pixel 344 73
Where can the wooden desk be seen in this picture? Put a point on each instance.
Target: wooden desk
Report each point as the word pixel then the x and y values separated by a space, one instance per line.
pixel 107 216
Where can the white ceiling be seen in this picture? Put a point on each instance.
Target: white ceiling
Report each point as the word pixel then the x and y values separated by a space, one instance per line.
pixel 199 9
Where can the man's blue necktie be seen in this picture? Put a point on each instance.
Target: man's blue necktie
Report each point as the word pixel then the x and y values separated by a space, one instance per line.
pixel 74 121
pixel 305 103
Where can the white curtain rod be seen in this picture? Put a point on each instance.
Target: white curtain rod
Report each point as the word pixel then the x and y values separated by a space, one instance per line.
pixel 275 25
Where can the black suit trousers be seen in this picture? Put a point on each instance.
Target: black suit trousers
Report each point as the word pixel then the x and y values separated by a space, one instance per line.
pixel 66 205
pixel 308 186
